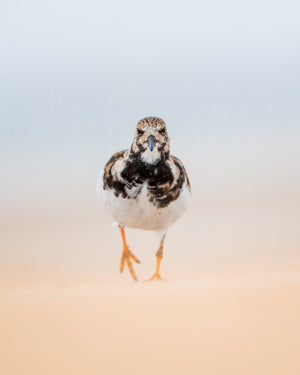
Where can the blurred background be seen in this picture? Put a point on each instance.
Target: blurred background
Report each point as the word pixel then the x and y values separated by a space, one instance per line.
pixel 75 79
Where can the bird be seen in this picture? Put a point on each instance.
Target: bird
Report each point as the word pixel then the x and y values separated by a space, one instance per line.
pixel 145 187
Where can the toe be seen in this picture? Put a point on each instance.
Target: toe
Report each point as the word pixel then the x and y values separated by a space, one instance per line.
pixel 133 257
pixel 130 266
pixel 156 276
pixel 131 270
pixel 126 258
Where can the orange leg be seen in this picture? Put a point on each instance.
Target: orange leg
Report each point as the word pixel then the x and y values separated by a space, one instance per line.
pixel 127 255
pixel 159 256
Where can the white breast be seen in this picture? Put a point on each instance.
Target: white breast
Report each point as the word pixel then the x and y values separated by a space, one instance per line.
pixel 140 213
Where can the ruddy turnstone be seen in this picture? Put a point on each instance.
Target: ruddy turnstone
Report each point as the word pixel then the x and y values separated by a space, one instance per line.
pixel 145 187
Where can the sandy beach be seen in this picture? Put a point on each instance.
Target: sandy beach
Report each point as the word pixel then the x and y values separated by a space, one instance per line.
pixel 214 325
pixel 229 303
pixel 76 78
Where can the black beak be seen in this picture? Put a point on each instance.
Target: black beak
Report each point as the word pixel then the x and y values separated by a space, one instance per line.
pixel 151 142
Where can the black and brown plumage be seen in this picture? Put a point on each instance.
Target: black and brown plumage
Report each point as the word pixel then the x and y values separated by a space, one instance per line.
pixel 145 187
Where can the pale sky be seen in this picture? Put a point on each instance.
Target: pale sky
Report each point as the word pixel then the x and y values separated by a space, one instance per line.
pixel 76 77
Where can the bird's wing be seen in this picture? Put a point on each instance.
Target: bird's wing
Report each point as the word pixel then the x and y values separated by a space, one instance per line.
pixel 109 168
pixel 182 175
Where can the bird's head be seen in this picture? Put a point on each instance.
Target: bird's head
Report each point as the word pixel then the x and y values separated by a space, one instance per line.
pixel 151 140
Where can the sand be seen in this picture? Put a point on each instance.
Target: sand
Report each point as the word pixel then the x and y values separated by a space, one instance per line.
pixel 245 324
pixel 230 303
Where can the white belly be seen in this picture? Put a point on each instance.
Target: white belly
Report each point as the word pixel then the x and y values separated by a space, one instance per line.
pixel 140 213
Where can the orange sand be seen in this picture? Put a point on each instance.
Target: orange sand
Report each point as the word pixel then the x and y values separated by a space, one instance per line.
pixel 214 325
pixel 231 304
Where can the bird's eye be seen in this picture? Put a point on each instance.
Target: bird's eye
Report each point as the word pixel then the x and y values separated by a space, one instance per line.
pixel 162 130
pixel 140 131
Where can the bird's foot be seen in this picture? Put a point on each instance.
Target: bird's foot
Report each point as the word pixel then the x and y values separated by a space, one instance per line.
pixel 127 255
pixel 155 276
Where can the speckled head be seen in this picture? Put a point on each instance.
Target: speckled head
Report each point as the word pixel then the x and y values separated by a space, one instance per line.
pixel 151 140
